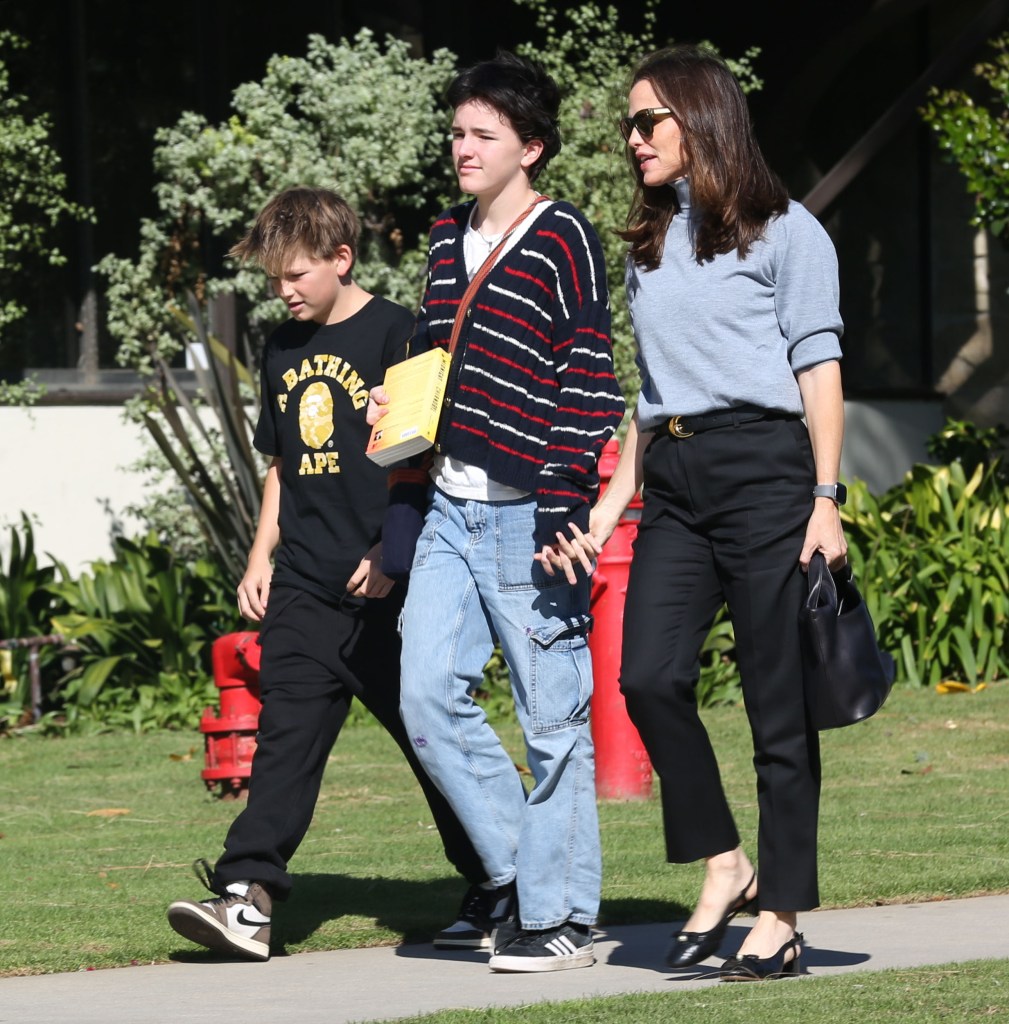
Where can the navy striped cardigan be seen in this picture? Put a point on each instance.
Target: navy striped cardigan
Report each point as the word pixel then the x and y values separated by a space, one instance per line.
pixel 532 395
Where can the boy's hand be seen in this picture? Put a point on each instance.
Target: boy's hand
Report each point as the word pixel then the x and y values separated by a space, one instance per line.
pixel 254 590
pixel 583 549
pixel 377 402
pixel 368 579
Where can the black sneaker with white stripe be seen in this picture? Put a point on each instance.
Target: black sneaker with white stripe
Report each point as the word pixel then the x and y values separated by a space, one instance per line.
pixel 481 912
pixel 553 949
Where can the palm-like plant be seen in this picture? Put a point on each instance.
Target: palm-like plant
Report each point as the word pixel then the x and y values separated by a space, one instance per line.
pixel 208 443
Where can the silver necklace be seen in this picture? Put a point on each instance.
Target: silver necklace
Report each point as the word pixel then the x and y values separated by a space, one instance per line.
pixel 489 242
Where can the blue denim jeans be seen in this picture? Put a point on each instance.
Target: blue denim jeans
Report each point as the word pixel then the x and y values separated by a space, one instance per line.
pixel 473 580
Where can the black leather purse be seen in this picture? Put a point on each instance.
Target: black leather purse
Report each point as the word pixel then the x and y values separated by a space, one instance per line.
pixel 845 674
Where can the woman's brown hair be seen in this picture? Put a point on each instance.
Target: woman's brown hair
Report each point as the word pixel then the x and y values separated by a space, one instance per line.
pixel 733 191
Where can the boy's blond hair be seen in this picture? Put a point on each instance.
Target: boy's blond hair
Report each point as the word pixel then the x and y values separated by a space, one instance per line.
pixel 300 221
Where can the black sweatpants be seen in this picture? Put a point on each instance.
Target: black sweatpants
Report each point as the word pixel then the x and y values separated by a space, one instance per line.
pixel 316 657
pixel 724 519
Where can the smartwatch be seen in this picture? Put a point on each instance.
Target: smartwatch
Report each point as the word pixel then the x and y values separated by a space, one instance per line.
pixel 837 493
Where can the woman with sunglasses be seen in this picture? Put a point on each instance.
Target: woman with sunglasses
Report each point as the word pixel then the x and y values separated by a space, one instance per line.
pixel 531 401
pixel 733 294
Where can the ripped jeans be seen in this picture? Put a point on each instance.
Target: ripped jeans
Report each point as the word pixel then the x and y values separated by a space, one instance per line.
pixel 474 580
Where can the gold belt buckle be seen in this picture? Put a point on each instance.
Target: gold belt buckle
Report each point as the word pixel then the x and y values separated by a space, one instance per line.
pixel 677 429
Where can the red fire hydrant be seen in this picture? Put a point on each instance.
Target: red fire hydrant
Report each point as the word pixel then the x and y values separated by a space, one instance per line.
pixel 230 740
pixel 623 768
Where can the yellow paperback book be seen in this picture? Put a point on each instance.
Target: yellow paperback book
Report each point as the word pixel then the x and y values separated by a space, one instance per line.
pixel 416 388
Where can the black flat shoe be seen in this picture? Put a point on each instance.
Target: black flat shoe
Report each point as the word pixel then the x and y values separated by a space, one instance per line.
pixel 752 968
pixel 691 948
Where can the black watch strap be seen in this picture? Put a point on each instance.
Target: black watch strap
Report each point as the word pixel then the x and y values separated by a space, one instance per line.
pixel 837 493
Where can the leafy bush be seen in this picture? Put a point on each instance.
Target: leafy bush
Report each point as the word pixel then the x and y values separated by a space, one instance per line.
pixel 931 557
pixel 974 135
pixel 144 623
pixel 719 682
pixel 27 603
pixel 312 120
pixel 970 445
pixel 32 202
pixel 208 445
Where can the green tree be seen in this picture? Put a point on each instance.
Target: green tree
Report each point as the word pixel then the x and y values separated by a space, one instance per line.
pixel 973 134
pixel 354 115
pixel 32 201
pixel 369 120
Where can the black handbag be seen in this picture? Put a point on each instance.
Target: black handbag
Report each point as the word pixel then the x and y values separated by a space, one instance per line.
pixel 845 674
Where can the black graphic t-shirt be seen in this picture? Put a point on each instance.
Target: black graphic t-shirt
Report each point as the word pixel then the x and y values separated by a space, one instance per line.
pixel 315 383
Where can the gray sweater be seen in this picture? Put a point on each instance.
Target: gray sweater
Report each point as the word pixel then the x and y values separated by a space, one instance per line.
pixel 732 332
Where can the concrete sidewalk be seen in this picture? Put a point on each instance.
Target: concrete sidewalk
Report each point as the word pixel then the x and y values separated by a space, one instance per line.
pixel 390 983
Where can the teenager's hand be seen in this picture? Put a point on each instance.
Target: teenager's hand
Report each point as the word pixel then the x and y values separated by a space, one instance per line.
pixel 368 579
pixel 581 549
pixel 377 402
pixel 254 590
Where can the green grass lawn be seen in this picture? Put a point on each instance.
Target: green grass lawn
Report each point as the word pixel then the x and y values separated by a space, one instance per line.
pixel 954 993
pixel 97 835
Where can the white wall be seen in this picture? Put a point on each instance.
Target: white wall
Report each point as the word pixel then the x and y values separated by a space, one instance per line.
pixel 62 463
pixel 59 464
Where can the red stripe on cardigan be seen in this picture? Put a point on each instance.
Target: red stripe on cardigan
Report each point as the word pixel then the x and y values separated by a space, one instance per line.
pixel 496 444
pixel 530 277
pixel 505 405
pixel 515 366
pixel 514 319
pixel 571 261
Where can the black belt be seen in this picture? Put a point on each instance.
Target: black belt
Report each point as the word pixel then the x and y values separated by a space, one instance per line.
pixel 685 426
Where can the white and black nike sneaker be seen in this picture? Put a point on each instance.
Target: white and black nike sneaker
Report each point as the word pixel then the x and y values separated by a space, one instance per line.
pixel 237 921
pixel 553 949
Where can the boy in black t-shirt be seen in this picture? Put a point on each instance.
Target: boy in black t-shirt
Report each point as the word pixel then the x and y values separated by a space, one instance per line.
pixel 314 576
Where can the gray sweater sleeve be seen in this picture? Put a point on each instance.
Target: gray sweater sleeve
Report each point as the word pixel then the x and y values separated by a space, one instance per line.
pixel 806 289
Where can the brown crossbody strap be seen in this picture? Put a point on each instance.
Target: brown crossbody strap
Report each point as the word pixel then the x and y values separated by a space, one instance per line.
pixel 485 268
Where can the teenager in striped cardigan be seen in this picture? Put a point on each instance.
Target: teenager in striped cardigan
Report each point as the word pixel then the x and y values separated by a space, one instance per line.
pixel 532 399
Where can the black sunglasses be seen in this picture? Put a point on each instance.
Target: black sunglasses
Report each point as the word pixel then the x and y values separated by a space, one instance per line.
pixel 644 120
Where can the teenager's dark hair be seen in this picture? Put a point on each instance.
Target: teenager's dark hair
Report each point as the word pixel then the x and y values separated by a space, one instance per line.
pixel 733 191
pixel 522 91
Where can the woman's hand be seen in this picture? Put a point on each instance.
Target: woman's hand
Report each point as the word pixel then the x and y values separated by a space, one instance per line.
pixel 378 402
pixel 602 522
pixel 824 534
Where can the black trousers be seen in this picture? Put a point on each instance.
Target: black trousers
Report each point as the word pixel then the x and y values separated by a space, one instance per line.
pixel 724 518
pixel 316 658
